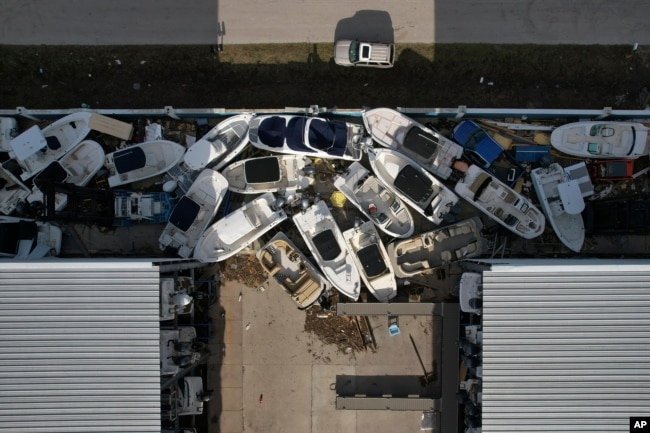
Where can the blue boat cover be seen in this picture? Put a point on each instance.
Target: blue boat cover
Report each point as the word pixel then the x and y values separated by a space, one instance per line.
pixel 272 131
pixel 330 136
pixel 296 134
pixel 129 159
pixel 184 213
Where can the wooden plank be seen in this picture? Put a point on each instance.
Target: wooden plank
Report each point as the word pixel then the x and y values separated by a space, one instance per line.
pixel 110 126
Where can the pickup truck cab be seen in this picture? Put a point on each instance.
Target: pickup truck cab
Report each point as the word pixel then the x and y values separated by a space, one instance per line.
pixel 368 54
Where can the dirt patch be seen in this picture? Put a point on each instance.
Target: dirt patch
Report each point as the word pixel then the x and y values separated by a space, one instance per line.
pixel 299 75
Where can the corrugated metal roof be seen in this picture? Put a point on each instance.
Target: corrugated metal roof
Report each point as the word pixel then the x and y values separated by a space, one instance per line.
pixel 566 345
pixel 79 346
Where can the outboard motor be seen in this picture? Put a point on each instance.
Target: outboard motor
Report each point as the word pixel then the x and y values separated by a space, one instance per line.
pixel 182 361
pixel 182 346
pixel 205 396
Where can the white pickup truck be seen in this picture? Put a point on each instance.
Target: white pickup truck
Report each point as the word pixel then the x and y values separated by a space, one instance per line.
pixel 369 54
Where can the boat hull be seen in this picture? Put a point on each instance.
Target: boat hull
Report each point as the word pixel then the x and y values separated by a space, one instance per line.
pixel 602 139
pixel 569 228
pixel 237 230
pixel 142 161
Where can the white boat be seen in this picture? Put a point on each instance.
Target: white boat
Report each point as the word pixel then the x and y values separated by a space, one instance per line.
pixel 35 149
pixel 375 201
pixel 412 183
pixel 26 239
pixel 77 167
pixel 423 253
pixel 279 173
pixel 470 290
pixel 561 194
pixel 282 260
pixel 235 231
pixel 190 396
pixel 220 145
pixel 216 149
pixel 12 190
pixel 142 161
pixel 325 241
pixel 392 129
pixel 505 206
pixel 371 259
pixel 602 139
pixel 175 297
pixel 178 349
pixel 193 213
pixel 310 136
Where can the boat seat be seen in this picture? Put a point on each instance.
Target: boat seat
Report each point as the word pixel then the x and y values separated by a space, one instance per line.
pixel 180 238
pixel 184 251
pixel 165 239
pixel 446 256
pixel 440 236
pixel 498 212
pixel 510 197
pixel 472 248
pixel 306 290
pixel 53 143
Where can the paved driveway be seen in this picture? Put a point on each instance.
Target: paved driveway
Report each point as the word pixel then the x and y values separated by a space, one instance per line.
pixel 173 22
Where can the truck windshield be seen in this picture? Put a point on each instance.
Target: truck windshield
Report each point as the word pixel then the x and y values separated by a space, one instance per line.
pixel 354 52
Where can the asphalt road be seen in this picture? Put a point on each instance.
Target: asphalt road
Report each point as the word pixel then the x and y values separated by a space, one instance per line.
pixel 174 22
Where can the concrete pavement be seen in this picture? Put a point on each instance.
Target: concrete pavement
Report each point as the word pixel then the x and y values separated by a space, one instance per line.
pixel 267 353
pixel 171 22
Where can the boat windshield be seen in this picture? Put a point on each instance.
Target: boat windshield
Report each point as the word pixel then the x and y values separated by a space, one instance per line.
pixel 262 170
pixel 184 213
pixel 421 142
pixel 129 159
pixel 414 184
pixel 372 261
pixel 326 244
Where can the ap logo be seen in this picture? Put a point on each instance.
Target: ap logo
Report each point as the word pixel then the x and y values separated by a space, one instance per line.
pixel 640 424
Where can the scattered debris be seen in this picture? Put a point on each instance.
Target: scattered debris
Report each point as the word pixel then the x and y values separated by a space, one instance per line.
pixel 341 331
pixel 245 269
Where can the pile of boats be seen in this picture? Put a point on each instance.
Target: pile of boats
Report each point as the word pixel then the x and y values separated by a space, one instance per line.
pixel 396 172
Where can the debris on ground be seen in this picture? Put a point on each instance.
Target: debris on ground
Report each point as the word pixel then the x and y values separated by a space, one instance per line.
pixel 244 269
pixel 341 331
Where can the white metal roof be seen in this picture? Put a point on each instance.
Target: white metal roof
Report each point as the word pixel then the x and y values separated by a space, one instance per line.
pixel 566 345
pixel 79 346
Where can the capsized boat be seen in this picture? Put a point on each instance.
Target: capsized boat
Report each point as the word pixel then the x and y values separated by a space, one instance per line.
pixel 412 183
pixel 371 259
pixel 375 201
pixel 278 173
pixel 282 260
pixel 77 167
pixel 423 253
pixel 602 139
pixel 392 129
pixel 304 135
pixel 501 203
pixel 178 349
pixel 193 213
pixel 23 238
pixel 35 149
pixel 142 161
pixel 325 241
pixel 561 194
pixel 136 207
pixel 220 145
pixel 235 231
